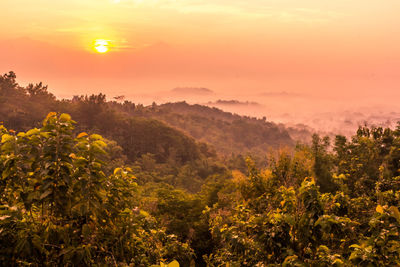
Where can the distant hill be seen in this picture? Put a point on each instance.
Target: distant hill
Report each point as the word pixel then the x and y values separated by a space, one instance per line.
pixel 233 103
pixel 22 108
pixel 226 132
pixel 169 131
pixel 192 91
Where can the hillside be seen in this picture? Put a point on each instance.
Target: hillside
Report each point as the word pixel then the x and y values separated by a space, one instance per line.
pixel 64 202
pixel 158 152
pixel 149 194
pixel 139 129
pixel 228 133
pixel 25 107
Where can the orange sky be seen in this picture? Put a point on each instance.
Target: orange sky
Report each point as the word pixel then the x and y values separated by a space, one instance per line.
pixel 240 48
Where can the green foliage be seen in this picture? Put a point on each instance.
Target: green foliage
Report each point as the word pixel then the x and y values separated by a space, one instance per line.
pixel 24 107
pixel 153 196
pixel 60 207
pixel 323 163
pixel 228 133
pixel 134 135
pixel 276 222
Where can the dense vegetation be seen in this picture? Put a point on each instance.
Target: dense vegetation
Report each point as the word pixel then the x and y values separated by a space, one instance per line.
pixel 70 197
pixel 156 150
pixel 61 203
pixel 227 132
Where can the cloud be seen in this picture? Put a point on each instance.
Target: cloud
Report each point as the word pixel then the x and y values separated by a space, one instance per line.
pixel 194 6
pixel 308 15
pixel 192 91
pixel 251 9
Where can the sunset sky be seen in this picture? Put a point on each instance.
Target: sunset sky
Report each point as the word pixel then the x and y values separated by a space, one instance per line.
pixel 320 48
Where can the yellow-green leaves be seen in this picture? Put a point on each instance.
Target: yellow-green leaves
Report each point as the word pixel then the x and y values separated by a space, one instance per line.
pixel 83 134
pixel 124 173
pixel 379 209
pixel 53 119
pixel 50 117
pixel 34 131
pixel 65 117
pixel 96 137
pixel 6 138
pixel 117 170
pixel 173 263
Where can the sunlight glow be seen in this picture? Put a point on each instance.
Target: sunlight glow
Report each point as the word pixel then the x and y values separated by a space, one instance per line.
pixel 101 46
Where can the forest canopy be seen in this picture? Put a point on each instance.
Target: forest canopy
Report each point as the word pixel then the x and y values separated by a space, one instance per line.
pixel 147 194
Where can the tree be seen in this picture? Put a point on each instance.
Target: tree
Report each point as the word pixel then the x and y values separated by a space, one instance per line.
pixel 322 163
pixel 59 205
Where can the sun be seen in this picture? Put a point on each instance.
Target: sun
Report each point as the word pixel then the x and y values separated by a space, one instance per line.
pixel 101 46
